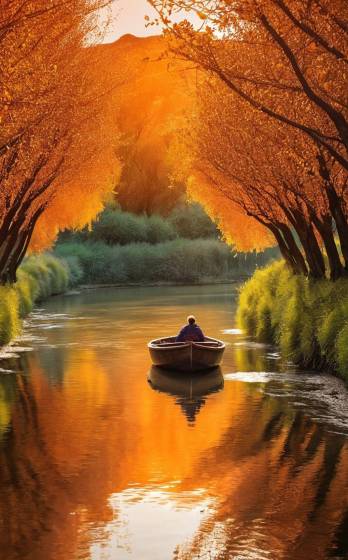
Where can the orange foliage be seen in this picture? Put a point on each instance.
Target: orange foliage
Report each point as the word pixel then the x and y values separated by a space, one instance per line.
pixel 151 103
pixel 58 136
pixel 272 123
pixel 238 229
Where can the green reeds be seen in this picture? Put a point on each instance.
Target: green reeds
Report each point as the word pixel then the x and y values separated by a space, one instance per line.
pixel 308 319
pixel 38 277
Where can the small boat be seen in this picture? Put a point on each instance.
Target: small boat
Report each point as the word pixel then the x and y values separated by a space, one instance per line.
pixel 186 356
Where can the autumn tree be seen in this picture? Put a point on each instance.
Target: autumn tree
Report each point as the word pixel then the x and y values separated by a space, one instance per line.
pixel 285 67
pixel 270 51
pixel 57 138
pixel 255 166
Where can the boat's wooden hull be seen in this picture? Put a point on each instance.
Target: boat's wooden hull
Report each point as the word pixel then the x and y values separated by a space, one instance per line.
pixel 187 356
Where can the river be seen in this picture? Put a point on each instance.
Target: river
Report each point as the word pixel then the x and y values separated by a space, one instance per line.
pixel 104 458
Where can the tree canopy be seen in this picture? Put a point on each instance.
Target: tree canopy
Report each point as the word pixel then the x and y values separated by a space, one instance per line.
pixel 57 140
pixel 271 128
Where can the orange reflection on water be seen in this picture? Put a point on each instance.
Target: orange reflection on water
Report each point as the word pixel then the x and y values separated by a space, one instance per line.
pixel 99 463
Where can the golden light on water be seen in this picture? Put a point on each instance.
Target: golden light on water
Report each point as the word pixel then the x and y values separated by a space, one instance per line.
pixel 109 465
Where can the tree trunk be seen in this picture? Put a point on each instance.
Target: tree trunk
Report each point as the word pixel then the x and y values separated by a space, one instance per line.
pixel 284 249
pixel 336 208
pixel 341 222
pixel 16 247
pixel 294 249
pixel 324 228
pixel 21 246
pixel 287 245
pixel 313 254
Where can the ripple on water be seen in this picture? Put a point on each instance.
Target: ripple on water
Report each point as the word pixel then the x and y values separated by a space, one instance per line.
pixel 4 371
pixel 322 396
pixel 13 351
pixel 250 345
pixel 232 331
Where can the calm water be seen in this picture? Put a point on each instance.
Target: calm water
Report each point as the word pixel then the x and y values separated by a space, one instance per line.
pixel 103 458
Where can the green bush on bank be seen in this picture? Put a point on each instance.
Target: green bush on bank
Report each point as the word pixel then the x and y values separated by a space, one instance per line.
pixel 308 319
pixel 9 314
pixel 190 221
pixel 37 278
pixel 117 227
pixel 172 261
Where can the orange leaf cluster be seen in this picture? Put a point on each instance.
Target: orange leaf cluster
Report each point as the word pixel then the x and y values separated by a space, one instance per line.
pixel 271 127
pixel 57 138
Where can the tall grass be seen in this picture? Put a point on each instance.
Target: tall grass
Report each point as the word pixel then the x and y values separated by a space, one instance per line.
pixel 173 261
pixel 308 319
pixel 38 278
pixel 9 314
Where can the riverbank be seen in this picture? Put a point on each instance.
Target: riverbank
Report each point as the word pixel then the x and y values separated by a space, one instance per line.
pixel 38 278
pixel 307 319
pixel 81 265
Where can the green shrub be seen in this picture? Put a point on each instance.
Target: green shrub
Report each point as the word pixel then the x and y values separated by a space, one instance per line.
pixel 342 351
pixel 263 321
pixel 159 230
pixel 329 330
pixel 59 275
pixel 190 221
pixel 178 260
pixel 28 290
pixel 36 267
pixel 290 324
pixel 38 277
pixel 117 227
pixel 41 276
pixel 9 314
pixel 74 270
pixel 308 319
pixel 79 250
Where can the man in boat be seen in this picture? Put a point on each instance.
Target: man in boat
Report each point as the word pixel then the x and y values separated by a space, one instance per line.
pixel 190 332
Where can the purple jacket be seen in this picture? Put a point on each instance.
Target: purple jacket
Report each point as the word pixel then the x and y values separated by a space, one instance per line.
pixel 190 333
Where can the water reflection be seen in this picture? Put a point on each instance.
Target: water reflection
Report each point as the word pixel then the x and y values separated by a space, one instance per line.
pixel 97 464
pixel 189 390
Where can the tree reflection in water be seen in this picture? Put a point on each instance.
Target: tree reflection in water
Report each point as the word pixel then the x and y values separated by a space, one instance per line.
pixel 82 434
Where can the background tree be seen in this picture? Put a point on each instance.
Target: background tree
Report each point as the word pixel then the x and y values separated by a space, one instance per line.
pixel 151 104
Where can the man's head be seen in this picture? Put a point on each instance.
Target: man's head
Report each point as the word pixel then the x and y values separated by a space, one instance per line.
pixel 191 320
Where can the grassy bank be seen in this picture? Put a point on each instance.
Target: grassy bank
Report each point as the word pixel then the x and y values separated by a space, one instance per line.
pixel 180 260
pixel 38 278
pixel 307 319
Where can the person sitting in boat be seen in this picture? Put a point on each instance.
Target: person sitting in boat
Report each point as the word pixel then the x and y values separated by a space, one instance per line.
pixel 190 332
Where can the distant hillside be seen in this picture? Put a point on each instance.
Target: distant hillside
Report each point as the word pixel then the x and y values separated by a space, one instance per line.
pixel 151 103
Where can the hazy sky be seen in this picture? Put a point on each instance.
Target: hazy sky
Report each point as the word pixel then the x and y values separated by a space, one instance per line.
pixel 128 17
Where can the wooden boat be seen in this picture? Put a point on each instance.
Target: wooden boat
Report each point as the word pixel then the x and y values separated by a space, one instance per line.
pixel 186 356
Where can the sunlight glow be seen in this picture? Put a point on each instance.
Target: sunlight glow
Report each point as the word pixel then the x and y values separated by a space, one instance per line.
pixel 128 16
